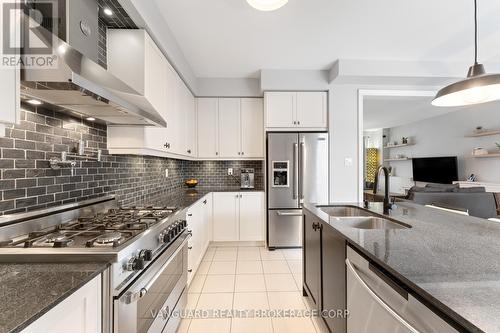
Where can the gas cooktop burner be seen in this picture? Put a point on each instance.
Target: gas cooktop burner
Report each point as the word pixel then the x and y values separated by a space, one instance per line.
pixel 56 237
pixel 105 229
pixel 108 237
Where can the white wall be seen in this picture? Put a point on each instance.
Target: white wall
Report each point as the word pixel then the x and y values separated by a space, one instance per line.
pixel 445 136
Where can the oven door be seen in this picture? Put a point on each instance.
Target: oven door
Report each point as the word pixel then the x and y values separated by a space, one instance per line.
pixel 147 304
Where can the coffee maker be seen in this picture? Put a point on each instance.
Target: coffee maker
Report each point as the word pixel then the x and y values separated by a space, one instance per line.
pixel 247 178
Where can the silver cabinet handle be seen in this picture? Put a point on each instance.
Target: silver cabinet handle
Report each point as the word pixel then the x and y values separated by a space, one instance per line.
pixel 281 213
pixel 295 170
pixel 379 300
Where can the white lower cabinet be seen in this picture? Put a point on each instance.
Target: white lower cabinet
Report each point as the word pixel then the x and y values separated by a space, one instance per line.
pixel 238 216
pixel 79 313
pixel 198 219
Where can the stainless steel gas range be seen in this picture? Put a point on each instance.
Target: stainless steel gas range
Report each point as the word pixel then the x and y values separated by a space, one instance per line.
pixel 146 246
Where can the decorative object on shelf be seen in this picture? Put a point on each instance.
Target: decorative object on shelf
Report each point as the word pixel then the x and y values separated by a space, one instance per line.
pixel 477 88
pixel 479 151
pixel 479 130
pixel 472 178
pixel 191 183
pixel 404 140
pixel 372 164
pixel 498 145
pixel 392 170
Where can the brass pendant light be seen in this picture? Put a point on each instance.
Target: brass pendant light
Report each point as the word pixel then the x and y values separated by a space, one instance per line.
pixel 477 88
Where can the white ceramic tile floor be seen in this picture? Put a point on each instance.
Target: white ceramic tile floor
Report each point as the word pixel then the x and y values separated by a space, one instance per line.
pixel 246 279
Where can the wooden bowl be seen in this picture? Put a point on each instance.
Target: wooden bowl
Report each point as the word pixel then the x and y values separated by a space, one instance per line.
pixel 191 183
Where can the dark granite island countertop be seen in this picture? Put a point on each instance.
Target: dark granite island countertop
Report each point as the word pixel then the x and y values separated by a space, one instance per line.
pixel 27 291
pixel 448 260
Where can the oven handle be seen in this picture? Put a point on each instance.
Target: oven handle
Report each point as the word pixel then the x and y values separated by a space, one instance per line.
pixel 135 296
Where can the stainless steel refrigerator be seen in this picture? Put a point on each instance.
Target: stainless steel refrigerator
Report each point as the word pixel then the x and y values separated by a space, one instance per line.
pixel 297 172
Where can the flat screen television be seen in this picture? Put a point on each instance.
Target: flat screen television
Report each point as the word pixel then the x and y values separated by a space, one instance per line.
pixel 441 170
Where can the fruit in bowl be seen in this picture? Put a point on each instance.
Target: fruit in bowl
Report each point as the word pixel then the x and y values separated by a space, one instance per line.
pixel 191 183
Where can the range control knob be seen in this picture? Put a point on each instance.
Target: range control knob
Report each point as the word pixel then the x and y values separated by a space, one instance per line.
pixel 134 264
pixel 184 223
pixel 146 255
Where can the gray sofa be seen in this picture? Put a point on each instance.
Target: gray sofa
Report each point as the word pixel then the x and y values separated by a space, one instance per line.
pixel 475 200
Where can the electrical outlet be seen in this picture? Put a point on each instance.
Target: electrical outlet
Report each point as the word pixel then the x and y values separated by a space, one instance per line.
pixel 166 173
pixel 230 171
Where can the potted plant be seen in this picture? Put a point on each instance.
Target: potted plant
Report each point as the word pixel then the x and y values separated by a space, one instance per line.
pixel 498 145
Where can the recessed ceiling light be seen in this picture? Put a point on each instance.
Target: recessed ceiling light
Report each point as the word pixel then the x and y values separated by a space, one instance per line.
pixel 91 119
pixel 108 11
pixel 267 5
pixel 34 102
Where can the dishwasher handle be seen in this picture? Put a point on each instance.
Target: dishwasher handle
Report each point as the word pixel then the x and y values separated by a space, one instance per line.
pixel 379 300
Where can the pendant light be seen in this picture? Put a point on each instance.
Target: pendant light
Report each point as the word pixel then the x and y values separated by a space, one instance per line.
pixel 267 5
pixel 477 88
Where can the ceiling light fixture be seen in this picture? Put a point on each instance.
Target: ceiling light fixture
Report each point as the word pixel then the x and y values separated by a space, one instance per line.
pixel 477 88
pixel 34 102
pixel 90 118
pixel 108 11
pixel 267 5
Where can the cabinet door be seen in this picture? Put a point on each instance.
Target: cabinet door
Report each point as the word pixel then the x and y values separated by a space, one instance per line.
pixel 10 76
pixel 190 125
pixel 280 109
pixel 229 128
pixel 155 70
pixel 311 110
pixel 333 277
pixel 171 116
pixel 208 137
pixel 195 219
pixel 312 256
pixel 79 313
pixel 225 215
pixel 251 216
pixel 252 128
pixel 179 120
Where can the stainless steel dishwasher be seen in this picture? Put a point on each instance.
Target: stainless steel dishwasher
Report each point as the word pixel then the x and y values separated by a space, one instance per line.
pixel 377 304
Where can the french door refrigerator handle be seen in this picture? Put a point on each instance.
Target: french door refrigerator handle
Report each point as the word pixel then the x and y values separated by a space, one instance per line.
pixel 302 169
pixel 295 170
pixel 379 300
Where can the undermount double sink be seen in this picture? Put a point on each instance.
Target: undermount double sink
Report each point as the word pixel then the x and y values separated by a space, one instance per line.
pixel 357 218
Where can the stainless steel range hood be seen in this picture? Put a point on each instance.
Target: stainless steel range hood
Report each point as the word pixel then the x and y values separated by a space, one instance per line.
pixel 79 86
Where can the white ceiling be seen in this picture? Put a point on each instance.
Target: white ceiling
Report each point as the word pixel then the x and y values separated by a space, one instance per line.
pixel 228 38
pixel 389 111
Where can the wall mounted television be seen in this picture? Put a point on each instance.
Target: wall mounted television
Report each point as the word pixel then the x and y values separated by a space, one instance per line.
pixel 441 170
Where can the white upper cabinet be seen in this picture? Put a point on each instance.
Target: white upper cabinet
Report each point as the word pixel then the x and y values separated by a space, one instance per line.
pixel 298 110
pixel 280 109
pixel 232 127
pixel 134 58
pixel 10 75
pixel 311 110
pixel 252 128
pixel 208 132
pixel 229 127
pixel 190 125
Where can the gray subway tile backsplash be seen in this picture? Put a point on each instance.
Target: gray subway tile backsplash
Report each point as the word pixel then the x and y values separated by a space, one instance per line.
pixel 28 183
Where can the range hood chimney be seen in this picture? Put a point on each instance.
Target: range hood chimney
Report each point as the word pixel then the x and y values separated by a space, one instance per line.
pixel 77 84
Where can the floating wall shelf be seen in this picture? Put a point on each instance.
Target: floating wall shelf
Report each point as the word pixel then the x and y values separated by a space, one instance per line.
pixel 397 159
pixel 485 133
pixel 487 155
pixel 400 145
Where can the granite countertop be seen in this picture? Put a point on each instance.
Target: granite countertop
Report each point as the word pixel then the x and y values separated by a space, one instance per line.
pixel 449 260
pixel 28 290
pixel 185 197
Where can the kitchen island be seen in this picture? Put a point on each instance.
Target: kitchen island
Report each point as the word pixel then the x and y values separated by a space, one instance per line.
pixel 447 261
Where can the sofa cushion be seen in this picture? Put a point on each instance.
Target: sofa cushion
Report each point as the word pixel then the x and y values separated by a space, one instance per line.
pixel 477 189
pixel 443 187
